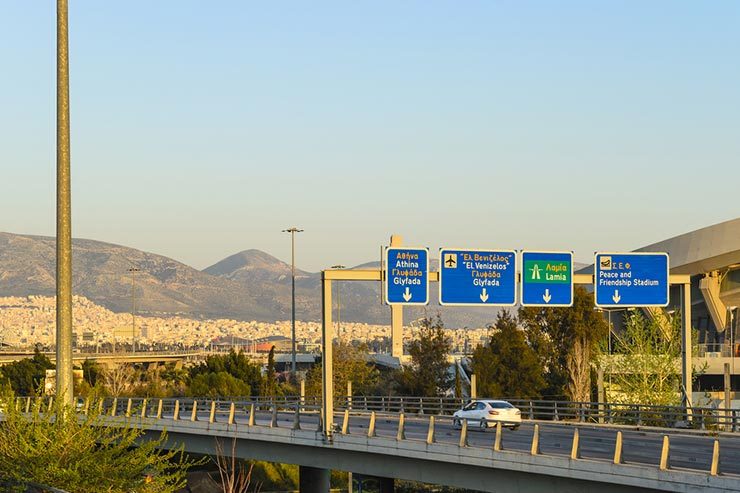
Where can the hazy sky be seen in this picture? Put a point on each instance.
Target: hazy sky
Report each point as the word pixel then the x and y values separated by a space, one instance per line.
pixel 200 129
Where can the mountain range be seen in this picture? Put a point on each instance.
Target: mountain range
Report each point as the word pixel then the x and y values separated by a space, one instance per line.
pixel 249 285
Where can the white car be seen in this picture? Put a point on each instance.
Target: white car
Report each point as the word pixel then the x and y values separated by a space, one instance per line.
pixel 485 413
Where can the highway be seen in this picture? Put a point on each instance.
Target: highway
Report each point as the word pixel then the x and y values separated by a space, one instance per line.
pixel 690 450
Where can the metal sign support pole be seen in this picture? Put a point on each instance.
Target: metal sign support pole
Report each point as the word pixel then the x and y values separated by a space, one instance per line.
pixel 686 370
pixel 327 380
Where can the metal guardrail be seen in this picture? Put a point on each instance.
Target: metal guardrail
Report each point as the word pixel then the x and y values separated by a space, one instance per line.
pixel 244 412
pixel 584 412
pixel 639 415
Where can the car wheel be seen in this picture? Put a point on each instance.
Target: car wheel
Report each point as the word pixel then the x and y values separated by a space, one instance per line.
pixel 483 425
pixel 456 423
pixel 515 427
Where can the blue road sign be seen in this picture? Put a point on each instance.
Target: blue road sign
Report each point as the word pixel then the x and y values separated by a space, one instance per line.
pixel 477 277
pixel 547 278
pixel 631 279
pixel 406 276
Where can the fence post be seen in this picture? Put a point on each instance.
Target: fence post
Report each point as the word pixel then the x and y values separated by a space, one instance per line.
pixel 618 449
pixel 159 409
pixel 714 470
pixel 114 406
pixel 498 445
pixel 464 434
pixel 28 404
pixel 297 418
pixel 194 413
pixel 345 423
pixel 371 426
pixel 531 410
pixel 401 435
pixel 232 410
pixel 176 414
pixel 664 454
pixel 274 419
pixel 143 409
pixel 128 408
pixel 555 416
pixel 575 451
pixel 430 432
pixel 212 417
pixel 250 422
pixel 535 449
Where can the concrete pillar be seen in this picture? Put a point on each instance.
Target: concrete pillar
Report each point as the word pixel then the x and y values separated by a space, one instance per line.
pixel 313 480
pixel 387 485
pixel 396 315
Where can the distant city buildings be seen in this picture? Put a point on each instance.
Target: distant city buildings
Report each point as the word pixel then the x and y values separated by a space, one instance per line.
pixel 30 320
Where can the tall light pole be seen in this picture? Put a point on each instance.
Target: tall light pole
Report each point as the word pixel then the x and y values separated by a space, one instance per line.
pixel 64 384
pixel 339 300
pixel 292 232
pixel 133 271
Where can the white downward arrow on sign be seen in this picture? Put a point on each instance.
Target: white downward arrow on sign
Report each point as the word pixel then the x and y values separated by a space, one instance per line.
pixel 616 296
pixel 547 296
pixel 484 296
pixel 407 294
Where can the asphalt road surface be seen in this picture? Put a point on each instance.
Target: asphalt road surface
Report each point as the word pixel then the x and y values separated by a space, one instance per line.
pixel 688 449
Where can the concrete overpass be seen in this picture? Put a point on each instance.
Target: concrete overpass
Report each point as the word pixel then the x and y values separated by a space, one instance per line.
pixel 539 457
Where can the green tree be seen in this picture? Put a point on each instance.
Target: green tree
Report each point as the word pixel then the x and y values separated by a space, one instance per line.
pixel 219 384
pixel 83 454
pixel 269 383
pixel 428 374
pixel 92 372
pixel 27 376
pixel 349 365
pixel 644 368
pixel 507 366
pixel 566 342
pixel 235 364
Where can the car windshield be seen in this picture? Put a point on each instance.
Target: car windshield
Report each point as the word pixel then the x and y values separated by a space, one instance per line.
pixel 500 405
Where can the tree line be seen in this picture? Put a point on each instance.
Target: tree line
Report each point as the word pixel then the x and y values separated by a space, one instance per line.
pixel 531 353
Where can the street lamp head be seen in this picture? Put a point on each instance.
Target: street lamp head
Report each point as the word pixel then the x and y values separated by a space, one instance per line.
pixel 338 266
pixel 292 230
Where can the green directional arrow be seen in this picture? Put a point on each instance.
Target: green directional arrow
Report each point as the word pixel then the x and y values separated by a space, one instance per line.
pixel 547 272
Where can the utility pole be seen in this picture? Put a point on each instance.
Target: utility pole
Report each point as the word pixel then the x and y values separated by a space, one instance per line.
pixel 133 271
pixel 64 389
pixel 292 232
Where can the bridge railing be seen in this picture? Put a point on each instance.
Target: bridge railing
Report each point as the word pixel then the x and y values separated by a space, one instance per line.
pixel 639 415
pixel 272 413
pixel 548 410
